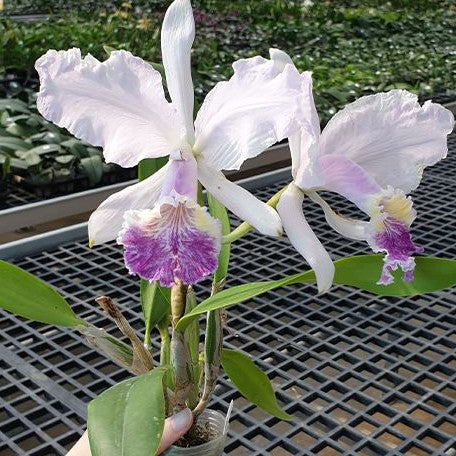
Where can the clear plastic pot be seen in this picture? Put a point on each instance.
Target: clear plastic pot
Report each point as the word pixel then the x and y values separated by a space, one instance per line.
pixel 214 422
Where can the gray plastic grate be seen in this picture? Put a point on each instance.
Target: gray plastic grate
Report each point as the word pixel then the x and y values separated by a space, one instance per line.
pixel 18 196
pixel 361 374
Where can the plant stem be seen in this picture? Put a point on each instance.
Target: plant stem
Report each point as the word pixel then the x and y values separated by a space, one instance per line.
pixel 244 227
pixel 191 337
pixel 212 352
pixel 180 356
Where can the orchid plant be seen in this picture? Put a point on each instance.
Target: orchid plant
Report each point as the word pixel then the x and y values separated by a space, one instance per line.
pixel 373 153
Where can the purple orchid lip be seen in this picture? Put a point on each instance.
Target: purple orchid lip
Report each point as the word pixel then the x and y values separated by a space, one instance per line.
pixel 176 240
pixel 396 241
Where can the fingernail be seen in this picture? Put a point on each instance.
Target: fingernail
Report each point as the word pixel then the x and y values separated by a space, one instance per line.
pixel 181 420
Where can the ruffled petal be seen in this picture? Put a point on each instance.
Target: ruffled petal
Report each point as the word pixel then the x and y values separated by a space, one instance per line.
pixel 176 240
pixel 391 136
pixel 303 238
pixel 305 167
pixel 392 214
pixel 395 239
pixel 343 176
pixel 348 227
pixel 106 221
pixel 118 104
pixel 242 117
pixel 239 201
pixel 177 35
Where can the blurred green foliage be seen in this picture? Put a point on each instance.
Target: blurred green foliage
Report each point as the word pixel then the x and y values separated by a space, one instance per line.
pixel 353 47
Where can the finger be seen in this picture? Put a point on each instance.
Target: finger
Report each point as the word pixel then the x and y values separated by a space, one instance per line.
pixel 175 427
pixel 82 447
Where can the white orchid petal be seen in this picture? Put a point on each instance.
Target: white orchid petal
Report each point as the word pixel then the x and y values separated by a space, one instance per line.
pixel 239 201
pixel 343 176
pixel 391 136
pixel 280 58
pixel 241 117
pixel 118 104
pixel 177 35
pixel 348 227
pixel 303 238
pixel 106 221
pixel 304 144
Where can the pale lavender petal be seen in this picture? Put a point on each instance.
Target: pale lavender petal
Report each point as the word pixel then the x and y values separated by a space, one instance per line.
pixel 177 35
pixel 242 117
pixel 347 178
pixel 106 221
pixel 181 178
pixel 391 136
pixel 348 227
pixel 303 238
pixel 118 104
pixel 176 240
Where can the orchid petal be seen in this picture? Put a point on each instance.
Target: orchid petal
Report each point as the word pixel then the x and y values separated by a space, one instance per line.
pixel 241 117
pixel 347 178
pixel 176 240
pixel 391 136
pixel 181 178
pixel 118 104
pixel 239 201
pixel 280 58
pixel 348 227
pixel 177 35
pixel 303 144
pixel 303 238
pixel 395 239
pixel 106 221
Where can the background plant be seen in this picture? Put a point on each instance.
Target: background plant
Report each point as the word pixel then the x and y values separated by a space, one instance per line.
pixel 353 47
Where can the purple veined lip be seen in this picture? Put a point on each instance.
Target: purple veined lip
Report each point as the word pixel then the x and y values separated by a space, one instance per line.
pixel 177 239
pixel 396 241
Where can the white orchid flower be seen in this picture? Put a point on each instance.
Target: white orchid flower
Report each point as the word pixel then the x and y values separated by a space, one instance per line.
pixel 120 105
pixel 373 153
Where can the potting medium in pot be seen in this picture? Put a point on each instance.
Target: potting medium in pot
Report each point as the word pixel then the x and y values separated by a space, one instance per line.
pixel 211 424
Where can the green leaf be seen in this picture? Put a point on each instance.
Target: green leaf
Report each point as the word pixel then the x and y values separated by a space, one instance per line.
pixel 150 166
pixel 92 168
pixel 128 418
pixel 252 382
pixel 155 303
pixel 108 49
pixel 363 271
pixel 64 159
pixel 29 297
pixel 45 149
pixel 115 349
pixel 31 158
pixel 13 143
pixel 14 105
pixel 218 211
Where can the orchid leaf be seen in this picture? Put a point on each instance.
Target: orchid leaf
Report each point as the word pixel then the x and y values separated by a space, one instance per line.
pixel 218 211
pixel 252 382
pixel 431 275
pixel 128 418
pixel 29 297
pixel 155 303
pixel 363 272
pixel 149 166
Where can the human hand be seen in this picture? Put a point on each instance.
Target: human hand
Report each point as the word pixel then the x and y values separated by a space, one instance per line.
pixel 175 427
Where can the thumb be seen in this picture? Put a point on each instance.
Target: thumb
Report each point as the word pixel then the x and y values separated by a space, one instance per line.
pixel 175 427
